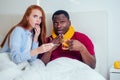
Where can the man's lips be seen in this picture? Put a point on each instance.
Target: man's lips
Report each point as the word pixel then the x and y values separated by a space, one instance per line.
pixel 59 31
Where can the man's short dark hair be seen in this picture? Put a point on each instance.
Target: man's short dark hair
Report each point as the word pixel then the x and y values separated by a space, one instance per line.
pixel 61 12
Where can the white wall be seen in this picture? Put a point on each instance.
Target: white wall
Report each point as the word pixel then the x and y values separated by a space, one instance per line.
pixel 11 12
pixel 15 6
pixel 111 7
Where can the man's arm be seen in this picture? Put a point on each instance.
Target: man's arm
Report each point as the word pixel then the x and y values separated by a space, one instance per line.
pixel 87 58
pixel 46 57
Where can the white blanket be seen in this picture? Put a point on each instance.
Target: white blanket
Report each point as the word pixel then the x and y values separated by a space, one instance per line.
pixel 59 69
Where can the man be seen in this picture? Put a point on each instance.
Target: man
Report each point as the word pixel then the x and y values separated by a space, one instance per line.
pixel 80 46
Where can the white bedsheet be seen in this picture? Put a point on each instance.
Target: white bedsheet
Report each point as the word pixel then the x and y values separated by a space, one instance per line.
pixel 59 69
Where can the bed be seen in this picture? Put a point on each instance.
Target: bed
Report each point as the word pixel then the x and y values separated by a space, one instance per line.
pixel 59 69
pixel 90 23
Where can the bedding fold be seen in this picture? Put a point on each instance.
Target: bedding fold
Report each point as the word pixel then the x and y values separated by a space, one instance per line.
pixel 58 69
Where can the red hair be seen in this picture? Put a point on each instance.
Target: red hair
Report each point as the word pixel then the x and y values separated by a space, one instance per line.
pixel 25 24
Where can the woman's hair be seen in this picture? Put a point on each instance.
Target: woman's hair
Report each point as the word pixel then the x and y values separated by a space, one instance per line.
pixel 25 24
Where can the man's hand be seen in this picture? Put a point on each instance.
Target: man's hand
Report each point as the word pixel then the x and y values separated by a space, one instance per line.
pixel 56 41
pixel 75 45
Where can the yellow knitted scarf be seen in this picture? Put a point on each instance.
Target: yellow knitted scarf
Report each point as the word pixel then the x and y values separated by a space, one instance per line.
pixel 67 35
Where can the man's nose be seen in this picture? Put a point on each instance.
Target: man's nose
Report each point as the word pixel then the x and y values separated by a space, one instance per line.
pixel 59 25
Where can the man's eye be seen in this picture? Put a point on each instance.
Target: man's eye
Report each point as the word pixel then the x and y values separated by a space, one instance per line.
pixel 62 21
pixel 55 23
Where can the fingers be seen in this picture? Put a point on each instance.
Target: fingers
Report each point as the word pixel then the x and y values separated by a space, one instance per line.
pixel 50 39
pixel 56 40
pixel 74 45
pixel 48 47
pixel 37 29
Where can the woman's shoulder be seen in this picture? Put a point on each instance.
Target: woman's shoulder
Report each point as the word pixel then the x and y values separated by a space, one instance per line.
pixel 18 28
pixel 17 31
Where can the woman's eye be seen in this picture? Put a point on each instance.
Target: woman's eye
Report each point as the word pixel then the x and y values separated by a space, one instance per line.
pixel 40 17
pixel 35 16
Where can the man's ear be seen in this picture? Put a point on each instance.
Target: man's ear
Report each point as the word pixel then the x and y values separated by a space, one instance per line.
pixel 70 22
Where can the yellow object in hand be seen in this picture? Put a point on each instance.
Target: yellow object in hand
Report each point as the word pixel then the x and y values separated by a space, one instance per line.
pixel 65 45
pixel 117 64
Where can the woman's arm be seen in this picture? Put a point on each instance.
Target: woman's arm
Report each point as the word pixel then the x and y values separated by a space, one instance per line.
pixel 17 45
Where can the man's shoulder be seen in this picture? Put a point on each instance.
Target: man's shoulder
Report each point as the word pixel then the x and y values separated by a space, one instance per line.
pixel 79 33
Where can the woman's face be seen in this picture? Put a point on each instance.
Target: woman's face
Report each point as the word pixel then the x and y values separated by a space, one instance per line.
pixel 34 18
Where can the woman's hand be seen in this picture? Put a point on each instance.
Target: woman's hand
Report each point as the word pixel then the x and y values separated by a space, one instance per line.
pixel 45 47
pixel 37 32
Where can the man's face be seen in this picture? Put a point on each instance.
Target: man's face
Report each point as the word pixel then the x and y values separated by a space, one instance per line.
pixel 61 24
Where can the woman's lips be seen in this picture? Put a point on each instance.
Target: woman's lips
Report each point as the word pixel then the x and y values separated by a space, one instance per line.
pixel 37 24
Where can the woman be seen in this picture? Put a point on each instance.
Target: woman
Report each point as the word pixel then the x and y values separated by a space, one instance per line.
pixel 22 41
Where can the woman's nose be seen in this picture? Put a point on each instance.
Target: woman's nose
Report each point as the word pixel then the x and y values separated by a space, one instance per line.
pixel 38 20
